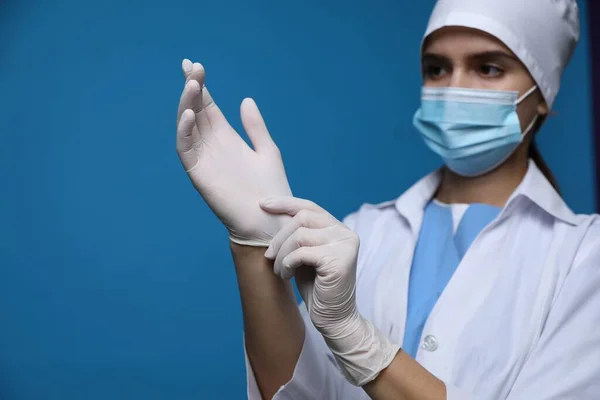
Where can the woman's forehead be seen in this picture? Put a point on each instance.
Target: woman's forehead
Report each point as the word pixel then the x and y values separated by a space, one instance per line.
pixel 457 41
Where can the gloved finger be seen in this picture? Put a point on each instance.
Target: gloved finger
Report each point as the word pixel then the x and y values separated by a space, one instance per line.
pixel 302 237
pixel 208 115
pixel 313 257
pixel 195 101
pixel 255 127
pixel 305 218
pixel 196 72
pixel 305 280
pixel 188 98
pixel 289 205
pixel 187 139
pixel 186 67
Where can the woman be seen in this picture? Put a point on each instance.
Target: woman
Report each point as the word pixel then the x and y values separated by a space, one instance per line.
pixel 477 282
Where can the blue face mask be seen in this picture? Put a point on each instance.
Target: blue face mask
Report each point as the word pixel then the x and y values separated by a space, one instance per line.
pixel 473 130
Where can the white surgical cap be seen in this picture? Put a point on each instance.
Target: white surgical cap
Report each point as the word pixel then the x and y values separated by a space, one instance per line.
pixel 542 33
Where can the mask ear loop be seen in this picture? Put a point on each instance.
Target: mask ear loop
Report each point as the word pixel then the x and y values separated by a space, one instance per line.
pixel 526 95
pixel 531 125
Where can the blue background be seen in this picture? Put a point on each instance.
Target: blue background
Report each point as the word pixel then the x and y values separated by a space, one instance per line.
pixel 115 278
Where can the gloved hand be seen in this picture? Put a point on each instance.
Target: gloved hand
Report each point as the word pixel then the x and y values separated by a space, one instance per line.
pixel 315 239
pixel 230 176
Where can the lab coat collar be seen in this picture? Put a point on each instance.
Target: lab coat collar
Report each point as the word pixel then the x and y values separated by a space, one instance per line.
pixel 534 187
pixel 539 191
pixel 411 205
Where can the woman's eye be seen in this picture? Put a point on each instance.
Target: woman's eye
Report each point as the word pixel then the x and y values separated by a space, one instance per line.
pixel 434 71
pixel 490 71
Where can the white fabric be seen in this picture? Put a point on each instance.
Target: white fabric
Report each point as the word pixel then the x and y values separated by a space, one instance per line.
pixel 520 318
pixel 458 211
pixel 542 33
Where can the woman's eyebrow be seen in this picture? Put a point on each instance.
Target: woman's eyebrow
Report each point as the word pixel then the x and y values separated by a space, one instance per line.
pixel 434 58
pixel 499 55
pixel 493 55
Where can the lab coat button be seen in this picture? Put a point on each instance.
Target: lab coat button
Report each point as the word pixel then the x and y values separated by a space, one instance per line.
pixel 430 343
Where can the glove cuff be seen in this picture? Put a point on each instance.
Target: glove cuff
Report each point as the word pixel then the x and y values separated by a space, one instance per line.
pixel 248 242
pixel 364 353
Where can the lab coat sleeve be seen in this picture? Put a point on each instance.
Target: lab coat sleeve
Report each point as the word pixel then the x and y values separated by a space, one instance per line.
pixel 316 375
pixel 565 363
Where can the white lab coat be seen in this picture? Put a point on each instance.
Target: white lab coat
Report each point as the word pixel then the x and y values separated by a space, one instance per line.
pixel 519 319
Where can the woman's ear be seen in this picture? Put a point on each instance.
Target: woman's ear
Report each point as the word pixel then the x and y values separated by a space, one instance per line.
pixel 542 107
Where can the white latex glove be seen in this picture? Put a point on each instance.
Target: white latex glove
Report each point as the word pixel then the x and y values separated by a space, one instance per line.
pixel 316 239
pixel 230 176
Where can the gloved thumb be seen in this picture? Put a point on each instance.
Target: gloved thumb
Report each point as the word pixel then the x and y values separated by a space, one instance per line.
pixel 255 127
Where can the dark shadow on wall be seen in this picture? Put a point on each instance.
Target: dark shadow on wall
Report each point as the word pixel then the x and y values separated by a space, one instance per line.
pixel 8 10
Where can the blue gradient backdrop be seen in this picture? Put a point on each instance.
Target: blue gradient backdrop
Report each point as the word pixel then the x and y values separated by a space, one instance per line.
pixel 115 278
